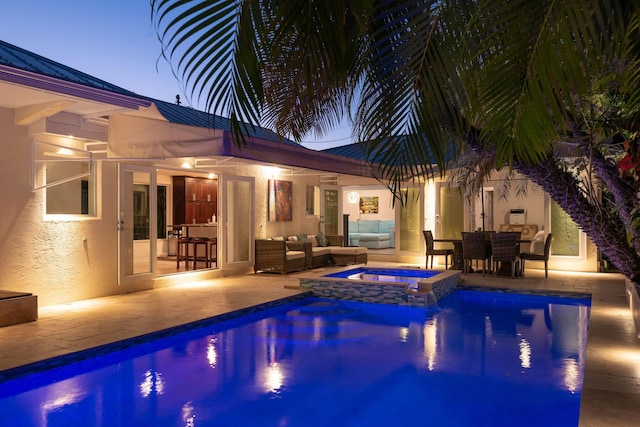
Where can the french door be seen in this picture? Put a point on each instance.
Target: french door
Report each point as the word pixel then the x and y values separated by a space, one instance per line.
pixel 236 222
pixel 137 230
pixel 329 206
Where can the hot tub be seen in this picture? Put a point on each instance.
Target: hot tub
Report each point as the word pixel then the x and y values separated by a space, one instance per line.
pixel 400 286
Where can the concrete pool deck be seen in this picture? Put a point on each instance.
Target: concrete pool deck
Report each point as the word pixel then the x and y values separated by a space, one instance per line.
pixel 611 390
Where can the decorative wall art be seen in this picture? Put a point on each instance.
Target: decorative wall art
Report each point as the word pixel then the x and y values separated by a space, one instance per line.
pixel 369 205
pixel 280 200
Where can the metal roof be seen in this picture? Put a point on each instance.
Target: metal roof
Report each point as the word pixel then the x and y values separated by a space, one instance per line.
pixel 16 57
pixel 189 116
pixel 262 148
pixel 358 151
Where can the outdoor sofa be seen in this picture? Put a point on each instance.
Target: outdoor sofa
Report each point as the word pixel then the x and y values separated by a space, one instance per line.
pixel 272 257
pixel 330 252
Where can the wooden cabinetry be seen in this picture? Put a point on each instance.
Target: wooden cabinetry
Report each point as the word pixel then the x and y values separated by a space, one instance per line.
pixel 194 200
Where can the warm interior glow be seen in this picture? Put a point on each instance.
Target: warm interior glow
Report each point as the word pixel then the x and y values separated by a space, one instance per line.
pixel 186 165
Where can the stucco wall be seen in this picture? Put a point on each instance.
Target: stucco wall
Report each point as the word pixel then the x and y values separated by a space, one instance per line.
pixel 301 221
pixel 45 255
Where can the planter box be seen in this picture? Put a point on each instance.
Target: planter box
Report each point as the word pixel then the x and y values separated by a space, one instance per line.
pixel 17 307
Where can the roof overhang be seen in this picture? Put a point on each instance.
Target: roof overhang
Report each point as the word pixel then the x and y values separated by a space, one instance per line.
pixel 51 84
pixel 134 137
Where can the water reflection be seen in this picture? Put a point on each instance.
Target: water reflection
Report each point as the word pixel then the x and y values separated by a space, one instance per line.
pixel 152 384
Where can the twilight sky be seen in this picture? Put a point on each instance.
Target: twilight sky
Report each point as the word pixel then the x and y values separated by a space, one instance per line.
pixel 113 40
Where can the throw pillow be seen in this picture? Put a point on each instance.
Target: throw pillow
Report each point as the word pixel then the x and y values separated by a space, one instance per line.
pixel 322 239
pixel 281 238
pixel 302 238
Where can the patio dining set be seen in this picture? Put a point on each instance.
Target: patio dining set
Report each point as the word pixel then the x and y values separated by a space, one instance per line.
pixel 499 252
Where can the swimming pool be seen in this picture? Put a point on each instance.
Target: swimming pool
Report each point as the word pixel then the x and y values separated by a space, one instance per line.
pixel 480 358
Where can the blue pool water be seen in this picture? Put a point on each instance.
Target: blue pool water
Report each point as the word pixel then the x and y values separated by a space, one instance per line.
pixel 479 359
pixel 410 275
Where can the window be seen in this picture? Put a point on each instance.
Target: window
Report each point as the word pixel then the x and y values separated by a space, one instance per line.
pixel 566 234
pixel 311 201
pixel 68 177
pixel 141 215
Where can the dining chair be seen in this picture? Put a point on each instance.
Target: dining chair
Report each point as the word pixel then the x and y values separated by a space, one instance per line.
pixel 432 252
pixel 532 256
pixel 505 249
pixel 475 247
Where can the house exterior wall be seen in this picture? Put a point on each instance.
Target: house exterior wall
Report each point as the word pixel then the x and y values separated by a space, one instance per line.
pixel 62 259
pixel 45 255
pixel 301 221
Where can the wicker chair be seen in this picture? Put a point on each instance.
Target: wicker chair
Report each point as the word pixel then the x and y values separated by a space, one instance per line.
pixel 505 249
pixel 475 247
pixel 431 252
pixel 531 256
pixel 273 256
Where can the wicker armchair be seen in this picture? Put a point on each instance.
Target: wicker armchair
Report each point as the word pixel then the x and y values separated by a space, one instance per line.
pixel 475 247
pixel 273 256
pixel 505 249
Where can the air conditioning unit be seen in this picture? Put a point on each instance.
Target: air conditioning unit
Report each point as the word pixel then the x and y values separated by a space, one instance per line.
pixel 517 216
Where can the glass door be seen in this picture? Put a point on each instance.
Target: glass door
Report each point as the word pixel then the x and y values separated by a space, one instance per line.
pixel 236 222
pixel 410 225
pixel 329 221
pixel 449 212
pixel 137 217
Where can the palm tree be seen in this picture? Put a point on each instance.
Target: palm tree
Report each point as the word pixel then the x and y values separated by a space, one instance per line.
pixel 515 80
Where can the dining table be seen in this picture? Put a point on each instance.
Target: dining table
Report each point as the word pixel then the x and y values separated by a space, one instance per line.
pixel 458 255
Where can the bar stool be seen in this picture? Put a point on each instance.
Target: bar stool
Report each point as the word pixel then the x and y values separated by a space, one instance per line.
pixel 197 241
pixel 183 243
pixel 213 252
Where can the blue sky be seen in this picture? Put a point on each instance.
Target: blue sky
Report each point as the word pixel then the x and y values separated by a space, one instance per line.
pixel 113 40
